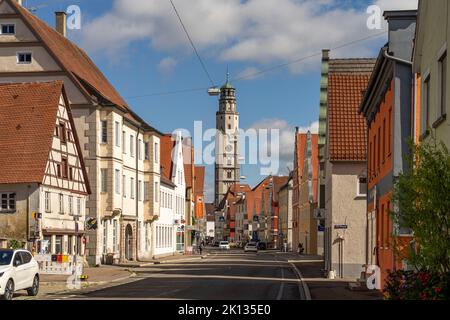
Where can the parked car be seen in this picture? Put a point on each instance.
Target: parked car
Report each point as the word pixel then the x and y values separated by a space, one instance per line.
pixel 18 271
pixel 216 243
pixel 224 245
pixel 262 246
pixel 251 247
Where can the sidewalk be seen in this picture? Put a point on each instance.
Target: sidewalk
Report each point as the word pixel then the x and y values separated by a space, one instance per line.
pixel 168 259
pixel 321 288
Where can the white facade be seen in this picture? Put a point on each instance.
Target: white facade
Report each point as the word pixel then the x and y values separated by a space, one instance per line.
pixel 112 140
pixel 165 227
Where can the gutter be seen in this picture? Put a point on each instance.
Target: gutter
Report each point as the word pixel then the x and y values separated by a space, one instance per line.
pixel 387 56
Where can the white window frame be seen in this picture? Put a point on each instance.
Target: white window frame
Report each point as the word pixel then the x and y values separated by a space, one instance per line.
pixel 103 180
pixel 117 132
pixel 104 131
pixel 18 53
pixel 132 146
pixel 146 188
pixel 425 106
pixel 47 201
pixel 156 146
pixel 61 203
pixel 132 188
pixel 139 191
pixel 358 186
pixel 79 206
pixel 139 150
pixel 10 196
pixel 7 24
pixel 124 186
pixel 117 181
pixel 70 202
pixel 124 142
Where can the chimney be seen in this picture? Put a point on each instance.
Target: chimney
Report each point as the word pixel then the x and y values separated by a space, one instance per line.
pixel 61 23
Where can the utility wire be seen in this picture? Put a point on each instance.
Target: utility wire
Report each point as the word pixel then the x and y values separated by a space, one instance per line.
pixel 268 69
pixel 192 44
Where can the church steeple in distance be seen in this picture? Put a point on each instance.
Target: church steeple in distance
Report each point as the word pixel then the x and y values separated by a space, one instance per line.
pixel 227 167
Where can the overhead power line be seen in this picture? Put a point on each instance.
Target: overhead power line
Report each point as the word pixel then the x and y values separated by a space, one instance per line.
pixel 192 44
pixel 267 69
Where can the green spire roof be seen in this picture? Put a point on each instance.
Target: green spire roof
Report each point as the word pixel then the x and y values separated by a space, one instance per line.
pixel 227 85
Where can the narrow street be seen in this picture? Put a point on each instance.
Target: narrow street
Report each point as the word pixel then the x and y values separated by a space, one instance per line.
pixel 233 275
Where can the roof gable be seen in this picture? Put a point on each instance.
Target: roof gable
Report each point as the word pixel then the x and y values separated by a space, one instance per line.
pixel 27 123
pixel 348 78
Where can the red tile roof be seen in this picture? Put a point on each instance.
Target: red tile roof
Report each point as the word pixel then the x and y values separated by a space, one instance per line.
pixel 346 127
pixel 80 68
pixel 27 123
pixel 199 179
pixel 167 145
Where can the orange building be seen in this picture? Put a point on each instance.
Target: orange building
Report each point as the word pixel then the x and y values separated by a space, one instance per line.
pixel 199 197
pixel 387 107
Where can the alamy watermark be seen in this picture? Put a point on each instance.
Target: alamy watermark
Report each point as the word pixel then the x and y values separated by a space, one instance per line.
pixel 235 147
pixel 374 20
pixel 73 17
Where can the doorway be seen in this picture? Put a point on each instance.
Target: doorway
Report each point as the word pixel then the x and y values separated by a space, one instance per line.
pixel 128 242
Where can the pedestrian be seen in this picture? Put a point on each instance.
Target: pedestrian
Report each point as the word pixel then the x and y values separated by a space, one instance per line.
pixel 200 248
pixel 300 248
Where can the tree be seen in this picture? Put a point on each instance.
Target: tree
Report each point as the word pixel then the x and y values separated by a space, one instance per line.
pixel 422 195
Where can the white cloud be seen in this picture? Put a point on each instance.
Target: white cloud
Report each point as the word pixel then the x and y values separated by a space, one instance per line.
pixel 254 31
pixel 167 65
pixel 249 73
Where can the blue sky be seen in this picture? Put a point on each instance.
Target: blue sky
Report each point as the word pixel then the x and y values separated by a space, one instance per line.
pixel 141 48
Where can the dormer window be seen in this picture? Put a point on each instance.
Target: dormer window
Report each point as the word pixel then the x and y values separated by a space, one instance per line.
pixel 24 57
pixel 8 29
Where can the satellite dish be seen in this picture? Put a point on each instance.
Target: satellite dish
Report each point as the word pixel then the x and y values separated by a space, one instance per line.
pixel 213 91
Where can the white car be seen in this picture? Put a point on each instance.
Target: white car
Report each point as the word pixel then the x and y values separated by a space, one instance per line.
pixel 251 247
pixel 224 245
pixel 18 271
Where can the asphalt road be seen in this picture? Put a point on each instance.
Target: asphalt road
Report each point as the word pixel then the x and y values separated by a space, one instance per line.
pixel 229 275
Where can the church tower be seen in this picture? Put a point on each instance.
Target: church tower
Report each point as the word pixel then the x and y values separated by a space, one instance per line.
pixel 227 167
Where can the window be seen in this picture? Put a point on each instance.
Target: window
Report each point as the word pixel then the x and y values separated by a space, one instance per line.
pixel 156 191
pixel 124 139
pixel 104 138
pixel 26 257
pixel 61 203
pixel 58 244
pixel 114 235
pixel 389 131
pixel 58 170
pixel 229 174
pixel 70 173
pixel 361 190
pixel 47 201
pixel 104 180
pixel 442 86
pixel 57 131
pixel 8 201
pixel 71 205
pixel 117 181
pixel 65 168
pixel 117 133
pixel 139 149
pixel 78 206
pixel 374 155
pixel 156 152
pixel 426 106
pixel 24 57
pixel 132 145
pixel 139 190
pixel 8 29
pixel 379 149
pixel 146 187
pixel 62 132
pixel 124 186
pixel 146 151
pixel 370 162
pixel 105 236
pixel 132 188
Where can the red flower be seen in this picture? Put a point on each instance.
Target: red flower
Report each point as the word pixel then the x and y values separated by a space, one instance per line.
pixel 437 290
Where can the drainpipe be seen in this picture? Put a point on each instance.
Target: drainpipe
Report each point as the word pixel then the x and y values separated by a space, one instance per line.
pixel 138 154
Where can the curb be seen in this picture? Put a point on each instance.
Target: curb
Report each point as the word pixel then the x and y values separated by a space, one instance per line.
pixel 88 285
pixel 305 288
